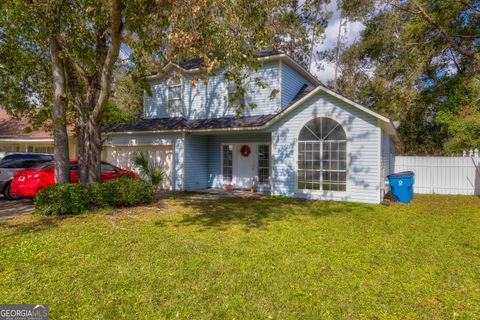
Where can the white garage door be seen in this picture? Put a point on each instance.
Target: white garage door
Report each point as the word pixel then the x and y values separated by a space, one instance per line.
pixel 122 156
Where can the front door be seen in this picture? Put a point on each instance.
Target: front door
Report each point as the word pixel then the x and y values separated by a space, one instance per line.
pixel 244 168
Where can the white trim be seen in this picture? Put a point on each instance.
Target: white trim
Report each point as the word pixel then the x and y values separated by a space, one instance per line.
pixel 244 97
pixel 379 164
pixel 221 163
pixel 297 67
pixel 269 184
pixel 111 145
pixel 324 193
pixel 33 140
pixel 175 113
pixel 280 75
pixel 255 145
pixel 184 149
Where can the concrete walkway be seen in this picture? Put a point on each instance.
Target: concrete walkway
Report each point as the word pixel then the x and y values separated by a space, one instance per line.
pixel 210 194
pixel 14 208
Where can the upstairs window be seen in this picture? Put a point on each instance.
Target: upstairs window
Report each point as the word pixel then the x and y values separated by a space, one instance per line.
pixel 174 96
pixel 235 94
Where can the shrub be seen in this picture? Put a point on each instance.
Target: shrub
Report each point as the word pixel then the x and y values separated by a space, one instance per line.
pixel 123 192
pixel 63 198
pixel 150 172
pixel 77 198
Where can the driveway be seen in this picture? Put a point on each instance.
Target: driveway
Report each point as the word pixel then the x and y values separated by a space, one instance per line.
pixel 15 208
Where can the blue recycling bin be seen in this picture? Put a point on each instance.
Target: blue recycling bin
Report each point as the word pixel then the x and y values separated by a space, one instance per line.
pixel 401 185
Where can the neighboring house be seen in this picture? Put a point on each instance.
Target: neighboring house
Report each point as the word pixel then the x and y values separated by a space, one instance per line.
pixel 15 136
pixel 306 141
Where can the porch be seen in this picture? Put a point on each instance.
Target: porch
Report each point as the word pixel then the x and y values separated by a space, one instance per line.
pixel 242 161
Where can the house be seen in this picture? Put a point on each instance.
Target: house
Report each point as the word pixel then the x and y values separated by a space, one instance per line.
pixel 17 136
pixel 306 141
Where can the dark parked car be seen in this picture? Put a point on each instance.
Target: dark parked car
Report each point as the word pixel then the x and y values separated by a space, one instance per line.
pixel 17 161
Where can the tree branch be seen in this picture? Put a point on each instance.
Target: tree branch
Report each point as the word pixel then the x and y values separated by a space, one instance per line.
pixel 466 4
pixel 112 55
pixel 444 33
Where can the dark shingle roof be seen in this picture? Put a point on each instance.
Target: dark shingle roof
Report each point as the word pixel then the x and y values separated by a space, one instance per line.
pixel 160 124
pixel 229 122
pixel 197 62
pixel 304 90
pixel 191 64
pixel 179 123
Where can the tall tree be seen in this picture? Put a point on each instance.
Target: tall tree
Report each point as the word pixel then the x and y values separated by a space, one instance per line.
pixel 418 61
pixel 80 42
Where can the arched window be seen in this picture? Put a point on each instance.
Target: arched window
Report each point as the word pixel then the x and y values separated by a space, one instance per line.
pixel 322 156
pixel 174 95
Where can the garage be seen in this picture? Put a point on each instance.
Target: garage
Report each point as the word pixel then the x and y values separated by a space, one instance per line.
pixel 161 155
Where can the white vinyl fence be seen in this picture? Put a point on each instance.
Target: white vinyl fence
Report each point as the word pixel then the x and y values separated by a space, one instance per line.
pixel 444 175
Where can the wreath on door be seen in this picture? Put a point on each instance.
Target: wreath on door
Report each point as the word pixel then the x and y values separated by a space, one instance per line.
pixel 245 150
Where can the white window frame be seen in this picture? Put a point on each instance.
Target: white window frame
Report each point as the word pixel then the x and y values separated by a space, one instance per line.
pixel 239 100
pixel 269 163
pixel 255 145
pixel 171 85
pixel 322 192
pixel 221 161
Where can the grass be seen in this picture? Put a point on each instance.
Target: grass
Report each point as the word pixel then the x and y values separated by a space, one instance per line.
pixel 250 259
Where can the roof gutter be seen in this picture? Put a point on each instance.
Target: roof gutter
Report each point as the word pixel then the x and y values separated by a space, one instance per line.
pixel 26 140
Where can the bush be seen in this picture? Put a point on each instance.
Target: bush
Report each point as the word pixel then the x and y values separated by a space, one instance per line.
pixel 63 198
pixel 77 198
pixel 122 192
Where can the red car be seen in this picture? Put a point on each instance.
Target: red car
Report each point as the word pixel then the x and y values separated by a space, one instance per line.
pixel 26 183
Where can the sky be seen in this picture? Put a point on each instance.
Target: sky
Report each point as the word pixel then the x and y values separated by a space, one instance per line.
pixel 351 34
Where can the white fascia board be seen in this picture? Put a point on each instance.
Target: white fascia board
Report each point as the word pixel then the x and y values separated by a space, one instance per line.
pixel 32 140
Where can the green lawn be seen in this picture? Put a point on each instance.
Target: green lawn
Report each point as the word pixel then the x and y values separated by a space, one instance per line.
pixel 250 259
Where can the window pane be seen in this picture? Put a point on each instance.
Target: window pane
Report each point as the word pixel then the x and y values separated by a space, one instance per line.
pixel 306 134
pixel 263 163
pixel 227 154
pixel 322 165
pixel 105 167
pixel 174 95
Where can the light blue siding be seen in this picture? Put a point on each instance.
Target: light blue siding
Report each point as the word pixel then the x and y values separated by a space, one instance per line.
pixel 155 104
pixel 196 162
pixel 363 147
pixel 292 82
pixel 203 100
pixel 215 179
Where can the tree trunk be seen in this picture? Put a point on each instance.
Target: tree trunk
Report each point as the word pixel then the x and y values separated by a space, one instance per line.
pixel 97 95
pixel 90 159
pixel 337 53
pixel 81 153
pixel 60 134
